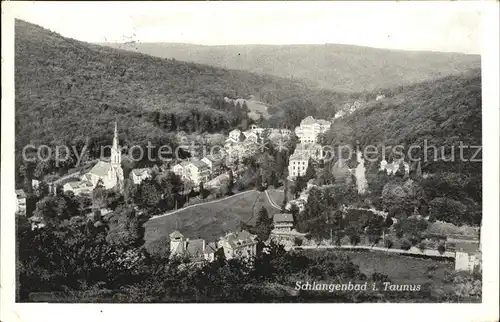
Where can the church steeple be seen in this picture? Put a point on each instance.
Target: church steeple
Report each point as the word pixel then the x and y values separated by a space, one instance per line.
pixel 116 156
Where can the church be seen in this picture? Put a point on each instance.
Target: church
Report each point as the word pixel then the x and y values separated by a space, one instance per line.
pixel 110 173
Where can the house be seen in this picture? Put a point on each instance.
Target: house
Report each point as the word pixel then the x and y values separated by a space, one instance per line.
pixel 184 247
pixel 180 169
pixel 249 135
pixel 196 250
pixel 20 200
pixel 109 173
pixel 195 171
pixel 298 164
pixel 214 162
pixel 283 222
pixel 35 183
pixel 310 128
pixel 239 244
pixel 379 97
pixel 209 251
pixel 138 175
pixel 79 187
pixel 234 135
pixel 467 256
pixel 198 171
pixel 392 168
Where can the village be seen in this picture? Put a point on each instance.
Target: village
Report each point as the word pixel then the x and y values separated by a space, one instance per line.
pixel 210 171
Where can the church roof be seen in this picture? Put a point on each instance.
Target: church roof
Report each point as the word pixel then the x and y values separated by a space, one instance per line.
pixel 100 169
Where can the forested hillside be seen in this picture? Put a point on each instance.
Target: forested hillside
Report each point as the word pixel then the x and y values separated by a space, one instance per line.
pixel 343 68
pixel 71 91
pixel 444 112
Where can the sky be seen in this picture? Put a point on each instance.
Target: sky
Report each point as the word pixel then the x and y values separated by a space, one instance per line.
pixel 436 26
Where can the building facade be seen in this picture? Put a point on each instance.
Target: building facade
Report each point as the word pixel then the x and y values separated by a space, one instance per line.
pixel 298 164
pixel 139 175
pixel 310 128
pixel 239 244
pixel 283 222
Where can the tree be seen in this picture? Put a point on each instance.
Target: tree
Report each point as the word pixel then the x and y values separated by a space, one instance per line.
pixel 125 228
pixel 230 184
pixel 310 171
pixel 405 244
pixel 263 224
pixel 54 209
pixel 148 194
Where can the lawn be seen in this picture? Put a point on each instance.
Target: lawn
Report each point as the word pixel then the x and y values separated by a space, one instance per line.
pixel 208 221
pixel 256 109
pixel 276 195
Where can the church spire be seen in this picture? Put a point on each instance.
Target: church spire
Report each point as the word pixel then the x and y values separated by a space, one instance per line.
pixel 115 150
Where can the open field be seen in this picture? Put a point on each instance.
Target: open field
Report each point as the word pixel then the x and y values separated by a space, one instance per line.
pixel 256 109
pixel 209 221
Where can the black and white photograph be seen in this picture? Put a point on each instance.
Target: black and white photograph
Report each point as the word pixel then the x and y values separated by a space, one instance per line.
pixel 250 152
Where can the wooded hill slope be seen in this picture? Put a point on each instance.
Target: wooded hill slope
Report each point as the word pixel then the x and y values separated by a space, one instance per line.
pixel 69 90
pixel 444 112
pixel 343 68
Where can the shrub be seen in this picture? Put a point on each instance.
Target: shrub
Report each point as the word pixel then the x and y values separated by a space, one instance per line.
pixel 388 243
pixel 405 244
pixel 421 246
pixel 441 249
pixel 354 239
pixel 297 241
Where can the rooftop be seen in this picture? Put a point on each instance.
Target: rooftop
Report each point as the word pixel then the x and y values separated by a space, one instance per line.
pixel 239 239
pixel 139 172
pixel 100 169
pixel 20 193
pixel 176 234
pixel 283 218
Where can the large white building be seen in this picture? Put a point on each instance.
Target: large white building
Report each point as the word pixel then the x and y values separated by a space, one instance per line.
pixel 297 165
pixel 310 128
pixel 196 171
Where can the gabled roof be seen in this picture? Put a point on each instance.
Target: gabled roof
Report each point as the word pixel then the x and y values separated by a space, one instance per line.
pixel 176 234
pixel 239 239
pixel 299 156
pixel 20 193
pixel 283 218
pixel 210 248
pixel 308 120
pixel 140 172
pixel 200 165
pixel 101 169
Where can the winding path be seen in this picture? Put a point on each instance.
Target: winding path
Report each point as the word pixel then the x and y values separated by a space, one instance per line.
pixel 271 201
